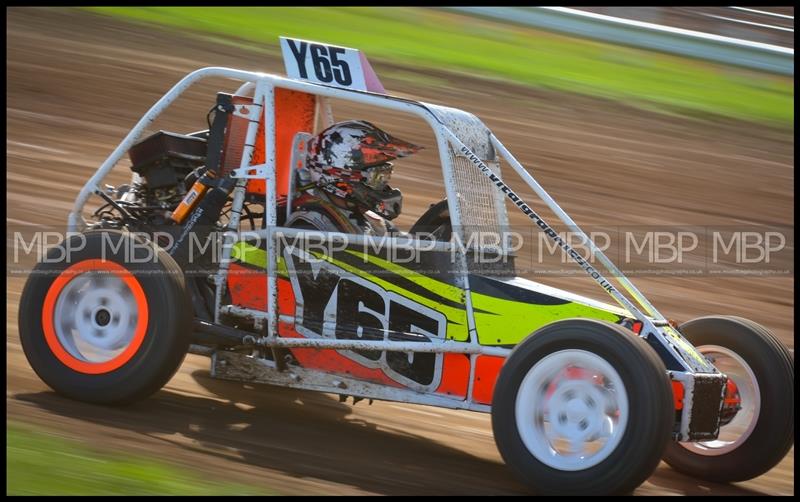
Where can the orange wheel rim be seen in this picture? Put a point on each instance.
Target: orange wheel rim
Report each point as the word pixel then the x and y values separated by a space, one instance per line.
pixel 101 317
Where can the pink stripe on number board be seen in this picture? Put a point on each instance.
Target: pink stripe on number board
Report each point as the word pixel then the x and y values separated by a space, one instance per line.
pixel 370 78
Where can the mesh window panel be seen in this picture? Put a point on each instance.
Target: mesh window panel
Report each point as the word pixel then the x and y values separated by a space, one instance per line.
pixel 483 217
pixel 481 208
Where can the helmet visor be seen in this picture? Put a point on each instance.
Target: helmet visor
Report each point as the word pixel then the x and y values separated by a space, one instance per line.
pixel 377 177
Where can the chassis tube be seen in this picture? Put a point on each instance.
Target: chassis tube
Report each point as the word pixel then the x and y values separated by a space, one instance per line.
pixel 357 239
pixel 686 350
pixel 448 347
pixel 75 220
pixel 604 283
pixel 553 205
pixel 271 214
pixel 238 195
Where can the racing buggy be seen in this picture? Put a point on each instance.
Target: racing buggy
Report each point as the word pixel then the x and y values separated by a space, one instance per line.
pixel 584 396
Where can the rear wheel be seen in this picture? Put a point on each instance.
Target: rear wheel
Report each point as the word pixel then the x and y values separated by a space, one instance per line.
pixel 582 407
pixel 105 318
pixel 756 437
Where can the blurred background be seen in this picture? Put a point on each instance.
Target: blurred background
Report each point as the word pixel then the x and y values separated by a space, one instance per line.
pixel 652 116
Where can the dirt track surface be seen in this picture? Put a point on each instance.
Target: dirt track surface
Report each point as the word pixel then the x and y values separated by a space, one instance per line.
pixel 77 83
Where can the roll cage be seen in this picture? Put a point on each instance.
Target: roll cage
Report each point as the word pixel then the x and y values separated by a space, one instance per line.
pixel 468 151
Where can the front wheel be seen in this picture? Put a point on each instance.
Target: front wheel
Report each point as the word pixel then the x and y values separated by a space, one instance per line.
pixel 105 318
pixel 760 429
pixel 582 407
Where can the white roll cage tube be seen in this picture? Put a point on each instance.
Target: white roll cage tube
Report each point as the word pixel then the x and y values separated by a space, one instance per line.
pixel 264 95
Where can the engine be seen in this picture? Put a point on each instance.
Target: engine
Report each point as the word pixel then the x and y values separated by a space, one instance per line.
pixel 167 165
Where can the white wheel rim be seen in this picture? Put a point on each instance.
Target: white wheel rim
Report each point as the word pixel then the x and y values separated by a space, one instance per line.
pixel 95 317
pixel 569 423
pixel 733 434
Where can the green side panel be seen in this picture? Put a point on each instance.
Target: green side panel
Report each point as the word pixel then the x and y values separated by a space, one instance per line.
pixel 457 327
pixel 256 257
pixel 510 322
pixel 443 289
pixel 499 321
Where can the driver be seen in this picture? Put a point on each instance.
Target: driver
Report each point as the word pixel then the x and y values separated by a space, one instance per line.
pixel 344 187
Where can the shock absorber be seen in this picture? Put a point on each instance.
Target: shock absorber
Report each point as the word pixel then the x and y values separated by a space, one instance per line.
pixel 193 196
pixel 202 205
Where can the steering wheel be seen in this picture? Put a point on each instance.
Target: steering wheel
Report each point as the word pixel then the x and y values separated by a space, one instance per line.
pixel 434 224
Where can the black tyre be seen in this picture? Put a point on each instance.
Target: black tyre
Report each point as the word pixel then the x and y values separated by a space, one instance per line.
pixel 582 407
pixel 105 318
pixel 762 432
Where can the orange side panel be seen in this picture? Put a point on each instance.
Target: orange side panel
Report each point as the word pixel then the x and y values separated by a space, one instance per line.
pixel 487 369
pixel 677 394
pixel 294 112
pixel 248 289
pixel 286 300
pixel 455 375
pixel 329 360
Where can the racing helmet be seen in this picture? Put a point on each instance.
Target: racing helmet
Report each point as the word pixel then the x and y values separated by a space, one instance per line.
pixel 350 160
